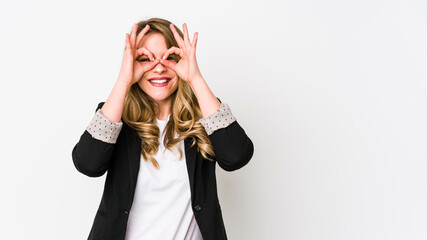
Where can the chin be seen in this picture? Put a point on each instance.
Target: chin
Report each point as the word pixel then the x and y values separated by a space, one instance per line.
pixel 159 94
pixel 160 97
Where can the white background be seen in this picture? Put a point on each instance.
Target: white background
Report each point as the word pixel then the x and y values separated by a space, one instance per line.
pixel 332 93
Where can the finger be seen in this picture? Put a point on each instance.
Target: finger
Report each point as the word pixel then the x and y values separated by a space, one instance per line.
pixel 133 34
pixel 127 46
pixel 145 51
pixel 194 44
pixel 177 37
pixel 168 64
pixel 186 37
pixel 141 34
pixel 172 50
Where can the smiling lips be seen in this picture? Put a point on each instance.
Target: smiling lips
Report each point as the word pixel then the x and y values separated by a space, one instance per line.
pixel 159 81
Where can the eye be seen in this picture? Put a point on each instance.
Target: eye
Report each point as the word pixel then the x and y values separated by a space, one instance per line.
pixel 143 60
pixel 172 57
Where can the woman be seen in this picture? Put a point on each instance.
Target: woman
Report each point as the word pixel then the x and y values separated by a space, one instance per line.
pixel 159 136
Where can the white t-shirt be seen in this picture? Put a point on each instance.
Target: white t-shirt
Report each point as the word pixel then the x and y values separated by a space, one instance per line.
pixel 161 207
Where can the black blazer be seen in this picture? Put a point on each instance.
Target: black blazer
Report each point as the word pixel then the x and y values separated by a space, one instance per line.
pixel 93 157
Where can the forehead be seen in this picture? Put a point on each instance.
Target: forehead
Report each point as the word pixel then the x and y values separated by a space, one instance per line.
pixel 154 42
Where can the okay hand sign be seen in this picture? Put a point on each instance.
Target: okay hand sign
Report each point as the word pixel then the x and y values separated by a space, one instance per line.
pixel 187 68
pixel 132 70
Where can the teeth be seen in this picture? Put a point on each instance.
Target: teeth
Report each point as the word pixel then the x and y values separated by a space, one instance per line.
pixel 159 81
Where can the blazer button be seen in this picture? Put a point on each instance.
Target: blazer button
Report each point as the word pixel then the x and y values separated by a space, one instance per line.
pixel 126 212
pixel 198 207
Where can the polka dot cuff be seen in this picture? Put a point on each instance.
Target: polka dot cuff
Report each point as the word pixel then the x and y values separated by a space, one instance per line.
pixel 219 119
pixel 103 129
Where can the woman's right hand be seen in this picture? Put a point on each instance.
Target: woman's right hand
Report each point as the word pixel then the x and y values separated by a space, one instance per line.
pixel 132 70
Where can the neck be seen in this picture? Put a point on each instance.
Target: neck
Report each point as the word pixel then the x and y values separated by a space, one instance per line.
pixel 165 107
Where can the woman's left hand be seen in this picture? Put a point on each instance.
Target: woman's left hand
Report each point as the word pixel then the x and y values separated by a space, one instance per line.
pixel 186 68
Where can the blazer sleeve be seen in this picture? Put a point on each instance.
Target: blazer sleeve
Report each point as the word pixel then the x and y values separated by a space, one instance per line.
pixel 233 148
pixel 93 152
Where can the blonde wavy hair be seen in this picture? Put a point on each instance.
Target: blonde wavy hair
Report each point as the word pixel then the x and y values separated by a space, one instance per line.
pixel 139 109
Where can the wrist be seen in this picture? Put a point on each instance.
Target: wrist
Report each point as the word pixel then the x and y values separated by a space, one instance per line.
pixel 124 83
pixel 196 80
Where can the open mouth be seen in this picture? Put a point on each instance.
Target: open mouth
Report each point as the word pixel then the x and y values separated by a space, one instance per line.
pixel 159 82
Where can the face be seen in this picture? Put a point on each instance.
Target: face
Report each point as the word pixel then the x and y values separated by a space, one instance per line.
pixel 160 82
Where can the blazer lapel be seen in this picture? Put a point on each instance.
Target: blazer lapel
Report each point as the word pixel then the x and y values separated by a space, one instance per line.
pixel 190 156
pixel 133 143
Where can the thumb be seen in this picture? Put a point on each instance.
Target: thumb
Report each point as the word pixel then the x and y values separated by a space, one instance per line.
pixel 150 65
pixel 168 64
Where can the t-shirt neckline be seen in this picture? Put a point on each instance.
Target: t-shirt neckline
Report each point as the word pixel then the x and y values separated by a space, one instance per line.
pixel 163 121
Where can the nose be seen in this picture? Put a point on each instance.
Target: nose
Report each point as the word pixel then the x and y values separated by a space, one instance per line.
pixel 160 68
